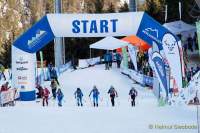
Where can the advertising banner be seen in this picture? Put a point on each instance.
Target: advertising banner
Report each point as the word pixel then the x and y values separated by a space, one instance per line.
pixel 125 58
pixel 198 33
pixel 172 54
pixel 133 54
pixel 160 71
pixel 8 96
pixel 151 31
pixel 95 25
pixel 36 37
pixel 23 71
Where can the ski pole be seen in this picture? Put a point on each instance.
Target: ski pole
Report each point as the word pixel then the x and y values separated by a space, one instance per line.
pixel 128 99
pixel 90 101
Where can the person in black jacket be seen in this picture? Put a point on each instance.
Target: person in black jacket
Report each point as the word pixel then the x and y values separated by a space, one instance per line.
pixel 113 94
pixel 79 96
pixel 118 59
pixel 133 95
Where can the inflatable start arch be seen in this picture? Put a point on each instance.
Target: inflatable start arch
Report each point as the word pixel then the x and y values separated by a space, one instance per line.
pixel 87 25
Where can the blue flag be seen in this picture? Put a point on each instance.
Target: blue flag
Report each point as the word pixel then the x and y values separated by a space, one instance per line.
pixel 36 37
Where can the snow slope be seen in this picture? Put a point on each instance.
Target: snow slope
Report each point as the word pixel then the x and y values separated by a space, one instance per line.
pixel 31 117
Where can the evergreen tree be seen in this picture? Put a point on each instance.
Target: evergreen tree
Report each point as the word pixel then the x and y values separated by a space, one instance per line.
pixel 99 4
pixel 124 7
pixel 111 8
pixel 155 8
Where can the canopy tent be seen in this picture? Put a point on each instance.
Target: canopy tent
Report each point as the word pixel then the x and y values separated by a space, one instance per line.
pixel 109 43
pixel 134 40
pixel 180 27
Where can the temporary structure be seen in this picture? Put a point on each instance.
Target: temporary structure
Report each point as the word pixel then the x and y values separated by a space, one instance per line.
pixel 181 28
pixel 134 40
pixel 109 43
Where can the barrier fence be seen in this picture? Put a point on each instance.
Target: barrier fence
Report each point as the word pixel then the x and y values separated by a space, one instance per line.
pixel 41 76
pixel 44 75
pixel 138 77
pixel 84 63
pixel 8 96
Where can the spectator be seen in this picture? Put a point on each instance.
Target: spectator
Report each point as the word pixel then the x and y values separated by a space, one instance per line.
pixel 2 70
pixel 50 67
pixel 190 43
pixel 118 59
pixel 110 59
pixel 40 91
pixel 54 75
pixel 106 60
pixel 53 88
pixel 5 87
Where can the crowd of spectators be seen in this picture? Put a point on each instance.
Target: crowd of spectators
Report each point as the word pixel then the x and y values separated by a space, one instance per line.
pixel 191 72
pixel 143 66
pixel 190 43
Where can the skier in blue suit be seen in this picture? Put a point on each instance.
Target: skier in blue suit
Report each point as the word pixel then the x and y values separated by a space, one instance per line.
pixel 60 97
pixel 95 93
pixel 79 96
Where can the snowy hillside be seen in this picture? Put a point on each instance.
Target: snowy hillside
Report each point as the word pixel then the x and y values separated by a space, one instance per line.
pixel 31 117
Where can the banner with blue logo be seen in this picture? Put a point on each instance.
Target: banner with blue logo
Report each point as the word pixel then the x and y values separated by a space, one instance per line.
pixel 160 71
pixel 151 31
pixel 36 37
pixel 95 25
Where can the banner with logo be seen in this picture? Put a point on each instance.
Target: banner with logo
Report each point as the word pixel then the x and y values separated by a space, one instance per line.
pixel 23 70
pixel 36 37
pixel 181 58
pixel 150 53
pixel 78 25
pixel 151 31
pixel 8 96
pixel 172 53
pixel 95 25
pixel 160 71
pixel 133 54
pixel 91 25
pixel 198 33
pixel 125 58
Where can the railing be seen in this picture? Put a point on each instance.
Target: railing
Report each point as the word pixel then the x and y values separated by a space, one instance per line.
pixel 8 96
pixel 84 63
pixel 43 74
pixel 138 77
